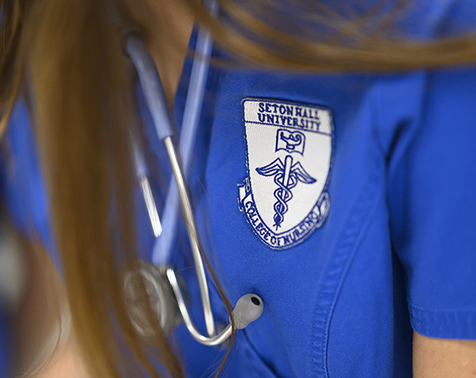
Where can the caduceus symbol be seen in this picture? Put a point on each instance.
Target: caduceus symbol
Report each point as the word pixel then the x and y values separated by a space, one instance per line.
pixel 286 176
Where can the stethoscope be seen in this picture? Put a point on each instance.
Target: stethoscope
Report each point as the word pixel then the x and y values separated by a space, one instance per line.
pixel 161 280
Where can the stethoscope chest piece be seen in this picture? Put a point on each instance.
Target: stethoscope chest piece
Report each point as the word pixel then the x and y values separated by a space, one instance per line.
pixel 151 281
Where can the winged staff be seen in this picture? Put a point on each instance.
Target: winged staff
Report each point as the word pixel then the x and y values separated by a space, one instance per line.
pixel 288 174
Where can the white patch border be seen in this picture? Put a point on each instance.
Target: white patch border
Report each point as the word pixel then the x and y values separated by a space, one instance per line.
pixel 323 202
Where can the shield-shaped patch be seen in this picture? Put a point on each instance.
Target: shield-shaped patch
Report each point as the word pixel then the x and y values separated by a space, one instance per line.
pixel 289 158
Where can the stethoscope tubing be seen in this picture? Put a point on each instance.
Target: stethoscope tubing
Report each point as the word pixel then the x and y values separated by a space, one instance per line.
pixel 155 99
pixel 209 341
pixel 249 307
pixel 193 237
pixel 161 252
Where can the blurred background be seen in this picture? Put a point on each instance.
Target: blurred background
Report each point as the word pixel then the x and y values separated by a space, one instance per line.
pixel 33 304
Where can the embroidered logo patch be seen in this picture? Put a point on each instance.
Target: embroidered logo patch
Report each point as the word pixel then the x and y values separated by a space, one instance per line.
pixel 289 157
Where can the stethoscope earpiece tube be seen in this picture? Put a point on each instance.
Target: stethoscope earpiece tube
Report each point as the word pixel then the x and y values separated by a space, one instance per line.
pixel 151 84
pixel 248 309
pixel 192 231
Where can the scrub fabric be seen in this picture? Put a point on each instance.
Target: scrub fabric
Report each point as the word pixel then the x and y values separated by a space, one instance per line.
pixel 396 252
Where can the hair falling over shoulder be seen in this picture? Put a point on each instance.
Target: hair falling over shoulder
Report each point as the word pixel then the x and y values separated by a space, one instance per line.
pixel 70 55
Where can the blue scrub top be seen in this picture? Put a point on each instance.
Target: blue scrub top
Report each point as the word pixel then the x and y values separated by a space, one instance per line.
pixel 345 201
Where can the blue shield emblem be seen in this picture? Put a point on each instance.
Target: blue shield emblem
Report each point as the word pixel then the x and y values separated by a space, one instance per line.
pixel 289 156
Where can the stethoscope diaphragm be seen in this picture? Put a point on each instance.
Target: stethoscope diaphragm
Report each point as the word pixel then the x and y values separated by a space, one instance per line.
pixel 151 281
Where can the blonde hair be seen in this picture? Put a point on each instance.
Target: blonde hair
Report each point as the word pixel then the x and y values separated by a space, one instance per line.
pixel 70 54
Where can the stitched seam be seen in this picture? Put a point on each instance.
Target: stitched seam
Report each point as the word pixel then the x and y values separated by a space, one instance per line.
pixel 336 270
